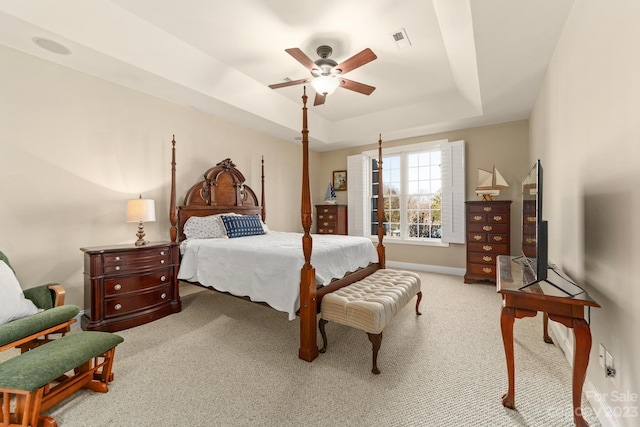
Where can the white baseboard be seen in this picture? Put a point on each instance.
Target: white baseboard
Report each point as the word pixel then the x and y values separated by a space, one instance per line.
pixel 595 398
pixel 426 267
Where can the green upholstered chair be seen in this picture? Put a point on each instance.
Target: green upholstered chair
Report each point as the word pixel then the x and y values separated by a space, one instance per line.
pixel 34 330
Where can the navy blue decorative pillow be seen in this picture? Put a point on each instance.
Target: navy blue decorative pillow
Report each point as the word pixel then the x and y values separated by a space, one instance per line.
pixel 242 225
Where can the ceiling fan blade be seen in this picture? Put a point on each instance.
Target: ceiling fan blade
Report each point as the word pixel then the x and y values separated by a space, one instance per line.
pixel 356 87
pixel 291 83
pixel 301 57
pixel 319 99
pixel 357 60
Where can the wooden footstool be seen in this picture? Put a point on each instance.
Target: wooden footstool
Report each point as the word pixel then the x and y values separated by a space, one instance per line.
pixel 370 304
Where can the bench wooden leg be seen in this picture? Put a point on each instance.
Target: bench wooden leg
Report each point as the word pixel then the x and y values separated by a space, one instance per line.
pixel 418 303
pixel 376 340
pixel 321 324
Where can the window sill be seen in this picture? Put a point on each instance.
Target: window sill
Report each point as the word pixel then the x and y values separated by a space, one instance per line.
pixel 396 241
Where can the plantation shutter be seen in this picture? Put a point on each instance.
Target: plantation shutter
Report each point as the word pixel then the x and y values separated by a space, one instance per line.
pixel 453 192
pixel 357 193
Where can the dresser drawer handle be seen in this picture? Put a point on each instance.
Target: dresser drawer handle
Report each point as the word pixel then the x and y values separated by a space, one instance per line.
pixel 487 208
pixel 325 210
pixel 531 219
pixel 161 261
pixel 117 258
pixel 477 237
pixel 163 296
pixel 330 231
pixel 325 223
pixel 487 228
pixel 497 238
pixel 477 218
pixel 320 216
pixel 487 258
pixel 330 216
pixel 487 270
pixel 487 248
pixel 117 307
pixel 117 287
pixel 497 218
pixel 530 240
pixel 117 267
pixel 161 252
pixel 163 278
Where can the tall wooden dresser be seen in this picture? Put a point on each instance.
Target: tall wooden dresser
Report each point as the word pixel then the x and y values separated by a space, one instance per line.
pixel 488 235
pixel 331 219
pixel 127 285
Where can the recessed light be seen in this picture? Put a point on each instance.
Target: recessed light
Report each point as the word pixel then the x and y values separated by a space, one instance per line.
pixel 51 46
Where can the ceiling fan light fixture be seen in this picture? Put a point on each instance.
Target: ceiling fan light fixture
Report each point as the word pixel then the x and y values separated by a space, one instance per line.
pixel 325 85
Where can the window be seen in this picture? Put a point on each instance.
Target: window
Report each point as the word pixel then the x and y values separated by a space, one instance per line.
pixel 423 190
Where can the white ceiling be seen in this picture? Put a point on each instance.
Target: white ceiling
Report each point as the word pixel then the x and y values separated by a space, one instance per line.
pixel 470 63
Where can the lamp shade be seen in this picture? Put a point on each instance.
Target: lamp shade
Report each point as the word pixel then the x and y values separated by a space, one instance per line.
pixel 141 210
pixel 325 85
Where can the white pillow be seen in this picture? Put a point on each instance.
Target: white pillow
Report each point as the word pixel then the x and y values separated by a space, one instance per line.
pixel 13 304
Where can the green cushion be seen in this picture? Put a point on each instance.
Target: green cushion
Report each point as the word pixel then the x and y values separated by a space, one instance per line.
pixel 41 296
pixel 18 329
pixel 35 368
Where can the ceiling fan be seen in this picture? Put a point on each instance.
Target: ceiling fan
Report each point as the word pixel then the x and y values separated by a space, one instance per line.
pixel 327 73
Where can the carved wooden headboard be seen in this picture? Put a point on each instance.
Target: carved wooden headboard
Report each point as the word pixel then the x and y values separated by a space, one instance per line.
pixel 221 191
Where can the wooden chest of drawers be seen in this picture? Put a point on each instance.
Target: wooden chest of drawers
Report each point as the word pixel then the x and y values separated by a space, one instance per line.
pixel 488 231
pixel 127 285
pixel 331 219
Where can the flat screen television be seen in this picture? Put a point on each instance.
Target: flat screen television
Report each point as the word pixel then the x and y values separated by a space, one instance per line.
pixel 534 228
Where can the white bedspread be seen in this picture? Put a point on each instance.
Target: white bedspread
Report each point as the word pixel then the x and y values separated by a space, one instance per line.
pixel 267 267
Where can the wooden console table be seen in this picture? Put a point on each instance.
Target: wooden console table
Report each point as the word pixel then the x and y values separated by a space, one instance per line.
pixel 563 303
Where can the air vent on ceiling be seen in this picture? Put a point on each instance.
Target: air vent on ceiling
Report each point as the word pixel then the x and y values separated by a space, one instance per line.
pixel 401 38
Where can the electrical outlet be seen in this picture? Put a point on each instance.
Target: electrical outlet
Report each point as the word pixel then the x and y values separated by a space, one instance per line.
pixel 601 356
pixel 608 359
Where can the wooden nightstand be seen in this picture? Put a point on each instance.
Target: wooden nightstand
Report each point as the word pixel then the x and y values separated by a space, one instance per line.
pixel 331 219
pixel 127 285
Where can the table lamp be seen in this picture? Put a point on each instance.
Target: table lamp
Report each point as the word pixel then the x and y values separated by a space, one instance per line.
pixel 141 210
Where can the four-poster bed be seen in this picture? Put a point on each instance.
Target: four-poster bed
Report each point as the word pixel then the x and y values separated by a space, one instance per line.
pixel 223 191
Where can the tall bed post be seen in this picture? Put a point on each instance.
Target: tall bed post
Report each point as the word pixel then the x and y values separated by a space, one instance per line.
pixel 308 293
pixel 264 210
pixel 173 212
pixel 380 248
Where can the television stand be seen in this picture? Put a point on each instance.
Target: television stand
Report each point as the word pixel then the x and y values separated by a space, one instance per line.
pixel 559 301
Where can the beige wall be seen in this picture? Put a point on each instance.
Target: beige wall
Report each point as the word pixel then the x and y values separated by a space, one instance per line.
pixel 586 129
pixel 75 148
pixel 505 145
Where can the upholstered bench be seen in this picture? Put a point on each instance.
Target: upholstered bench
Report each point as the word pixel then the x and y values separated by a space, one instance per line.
pixel 370 304
pixel 41 377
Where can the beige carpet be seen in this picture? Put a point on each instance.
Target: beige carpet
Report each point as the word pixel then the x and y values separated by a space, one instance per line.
pixel 223 361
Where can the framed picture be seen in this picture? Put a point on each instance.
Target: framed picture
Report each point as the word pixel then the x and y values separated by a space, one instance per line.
pixel 339 180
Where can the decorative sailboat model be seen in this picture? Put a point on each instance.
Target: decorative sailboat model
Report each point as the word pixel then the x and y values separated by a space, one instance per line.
pixel 330 196
pixel 490 183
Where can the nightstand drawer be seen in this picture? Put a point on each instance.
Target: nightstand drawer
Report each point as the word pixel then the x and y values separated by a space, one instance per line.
pixel 490 248
pixel 489 228
pixel 327 210
pixel 122 285
pixel 136 261
pixel 326 231
pixel 488 270
pixel 120 306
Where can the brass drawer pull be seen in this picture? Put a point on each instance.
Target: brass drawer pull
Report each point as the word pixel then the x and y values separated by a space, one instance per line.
pixel 330 216
pixel 487 270
pixel 163 278
pixel 487 248
pixel 531 219
pixel 530 240
pixel 487 258
pixel 325 224
pixel 163 296
pixel 497 238
pixel 117 307
pixel 487 208
pixel 117 287
pixel 320 216
pixel 497 218
pixel 477 218
pixel 487 228
pixel 477 237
